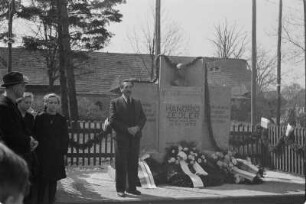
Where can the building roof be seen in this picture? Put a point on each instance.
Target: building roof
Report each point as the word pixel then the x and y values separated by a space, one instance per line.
pixel 101 71
pixel 95 75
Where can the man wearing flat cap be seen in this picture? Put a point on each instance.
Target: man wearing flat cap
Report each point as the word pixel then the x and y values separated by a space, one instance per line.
pixel 12 128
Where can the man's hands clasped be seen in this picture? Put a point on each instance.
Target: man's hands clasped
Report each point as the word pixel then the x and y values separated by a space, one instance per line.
pixel 33 143
pixel 133 130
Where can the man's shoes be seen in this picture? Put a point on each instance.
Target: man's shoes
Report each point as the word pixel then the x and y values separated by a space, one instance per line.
pixel 121 194
pixel 134 192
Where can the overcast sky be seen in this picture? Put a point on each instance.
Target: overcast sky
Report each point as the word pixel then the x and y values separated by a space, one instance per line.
pixel 197 19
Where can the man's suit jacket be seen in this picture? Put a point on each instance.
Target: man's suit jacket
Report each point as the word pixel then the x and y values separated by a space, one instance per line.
pixel 119 119
pixel 12 127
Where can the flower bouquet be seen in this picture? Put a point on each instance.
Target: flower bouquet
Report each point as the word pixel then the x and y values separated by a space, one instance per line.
pixel 180 172
pixel 185 167
pixel 236 170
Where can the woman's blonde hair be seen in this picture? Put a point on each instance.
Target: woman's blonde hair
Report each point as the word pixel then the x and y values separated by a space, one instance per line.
pixel 25 95
pixel 48 96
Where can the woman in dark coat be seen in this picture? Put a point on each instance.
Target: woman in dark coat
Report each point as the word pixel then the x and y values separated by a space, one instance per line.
pixel 24 105
pixel 51 131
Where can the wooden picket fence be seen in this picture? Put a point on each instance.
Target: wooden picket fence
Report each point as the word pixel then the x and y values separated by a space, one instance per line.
pixel 244 140
pixel 246 143
pixel 93 149
pixel 288 159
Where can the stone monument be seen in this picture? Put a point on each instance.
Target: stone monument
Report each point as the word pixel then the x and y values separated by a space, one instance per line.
pixel 182 106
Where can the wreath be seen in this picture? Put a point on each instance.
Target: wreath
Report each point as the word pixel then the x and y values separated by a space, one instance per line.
pixel 213 168
pixel 288 139
pixel 187 151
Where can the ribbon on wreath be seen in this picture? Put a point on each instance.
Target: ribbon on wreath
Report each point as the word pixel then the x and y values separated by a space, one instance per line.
pixel 196 180
pixel 244 174
pixel 145 175
pixel 247 166
pixel 199 170
pixel 289 130
pixel 111 172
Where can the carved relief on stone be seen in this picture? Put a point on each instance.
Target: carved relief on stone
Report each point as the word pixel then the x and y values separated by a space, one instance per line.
pixel 179 77
pixel 180 71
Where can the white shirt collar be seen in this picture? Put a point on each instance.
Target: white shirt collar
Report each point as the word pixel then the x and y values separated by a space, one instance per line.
pixel 124 97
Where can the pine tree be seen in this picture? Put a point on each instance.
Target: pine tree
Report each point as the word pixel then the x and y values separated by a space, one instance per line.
pixel 88 21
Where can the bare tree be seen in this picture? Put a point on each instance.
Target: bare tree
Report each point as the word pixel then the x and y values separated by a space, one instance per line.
pixel 293 33
pixel 291 93
pixel 3 24
pixel 173 41
pixel 142 39
pixel 266 78
pixel 229 41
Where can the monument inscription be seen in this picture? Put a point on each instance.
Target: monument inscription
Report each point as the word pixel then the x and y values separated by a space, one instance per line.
pixel 150 111
pixel 220 114
pixel 186 115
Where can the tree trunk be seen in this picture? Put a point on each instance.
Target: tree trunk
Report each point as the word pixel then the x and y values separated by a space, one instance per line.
pixel 73 104
pixel 50 70
pixel 10 34
pixel 61 56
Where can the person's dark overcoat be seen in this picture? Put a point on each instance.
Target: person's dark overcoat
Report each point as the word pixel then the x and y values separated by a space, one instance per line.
pixel 28 120
pixel 122 116
pixel 12 127
pixel 32 161
pixel 51 131
pixel 31 157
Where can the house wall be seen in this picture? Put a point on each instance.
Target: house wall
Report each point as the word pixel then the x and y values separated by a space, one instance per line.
pixel 90 107
pixel 231 73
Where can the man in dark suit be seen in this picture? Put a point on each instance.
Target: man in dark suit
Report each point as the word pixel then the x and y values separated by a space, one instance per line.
pixel 12 128
pixel 11 125
pixel 127 119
